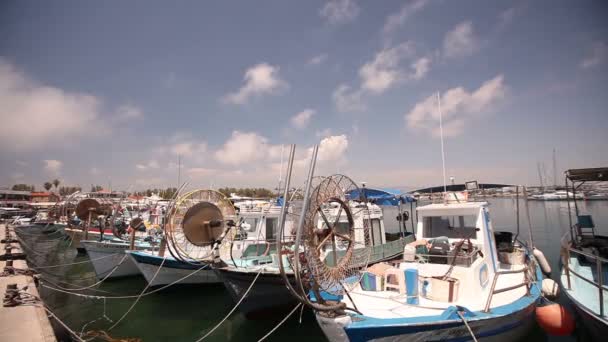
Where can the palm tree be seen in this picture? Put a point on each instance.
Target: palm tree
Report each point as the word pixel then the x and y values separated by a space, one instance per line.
pixel 56 183
pixel 48 186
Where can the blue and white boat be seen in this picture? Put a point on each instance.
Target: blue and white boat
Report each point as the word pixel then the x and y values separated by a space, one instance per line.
pixel 456 282
pixel 173 271
pixel 584 263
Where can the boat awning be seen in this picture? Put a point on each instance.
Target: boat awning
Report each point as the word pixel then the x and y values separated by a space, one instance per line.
pixel 597 174
pixel 381 196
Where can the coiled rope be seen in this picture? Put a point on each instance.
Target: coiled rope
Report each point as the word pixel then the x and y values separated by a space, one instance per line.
pixel 233 309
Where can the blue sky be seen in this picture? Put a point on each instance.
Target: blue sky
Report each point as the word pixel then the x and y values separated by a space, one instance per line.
pixel 100 92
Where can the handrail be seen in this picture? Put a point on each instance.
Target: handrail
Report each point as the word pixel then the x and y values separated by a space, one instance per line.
pixel 598 264
pixel 493 290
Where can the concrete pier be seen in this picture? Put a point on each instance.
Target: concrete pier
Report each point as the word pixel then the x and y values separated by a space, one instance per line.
pixel 23 322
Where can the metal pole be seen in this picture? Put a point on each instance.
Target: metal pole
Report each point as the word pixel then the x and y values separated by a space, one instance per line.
pixel 311 172
pixel 282 218
pixel 569 213
pixel 600 283
pixel 529 219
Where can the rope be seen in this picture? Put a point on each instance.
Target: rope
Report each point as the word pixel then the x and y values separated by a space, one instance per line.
pixel 73 263
pixel 234 308
pixel 280 323
pixel 140 295
pixel 99 282
pixel 125 297
pixel 467 325
pixel 72 332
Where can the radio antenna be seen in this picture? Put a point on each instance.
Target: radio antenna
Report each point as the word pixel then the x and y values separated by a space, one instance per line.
pixel 445 190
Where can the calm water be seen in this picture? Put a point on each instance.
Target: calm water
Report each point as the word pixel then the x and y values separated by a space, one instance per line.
pixel 186 313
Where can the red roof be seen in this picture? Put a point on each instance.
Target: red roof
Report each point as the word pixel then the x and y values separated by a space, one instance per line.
pixel 41 194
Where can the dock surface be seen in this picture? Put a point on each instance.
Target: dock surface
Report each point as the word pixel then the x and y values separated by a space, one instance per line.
pixel 23 322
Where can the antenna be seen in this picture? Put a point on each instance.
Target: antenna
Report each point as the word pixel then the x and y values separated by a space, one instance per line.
pixel 442 149
pixel 280 172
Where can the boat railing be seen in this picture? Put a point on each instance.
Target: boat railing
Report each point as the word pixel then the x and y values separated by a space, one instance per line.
pixel 526 283
pixel 599 261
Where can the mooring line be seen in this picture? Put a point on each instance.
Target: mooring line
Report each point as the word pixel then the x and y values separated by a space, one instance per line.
pixel 234 308
pixel 73 263
pixel 280 323
pixel 99 282
pixel 467 325
pixel 125 297
pixel 140 295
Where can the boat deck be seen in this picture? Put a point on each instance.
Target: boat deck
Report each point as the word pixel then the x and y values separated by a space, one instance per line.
pixel 582 291
pixel 390 304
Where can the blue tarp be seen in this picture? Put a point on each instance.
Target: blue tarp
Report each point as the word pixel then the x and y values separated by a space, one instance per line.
pixel 382 196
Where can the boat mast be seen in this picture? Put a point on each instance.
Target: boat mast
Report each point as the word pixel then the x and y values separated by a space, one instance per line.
pixel 540 177
pixel 442 149
pixel 554 171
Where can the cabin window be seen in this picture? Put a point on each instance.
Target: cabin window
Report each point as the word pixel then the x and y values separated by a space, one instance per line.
pixel 250 224
pixel 271 227
pixel 453 227
pixel 377 232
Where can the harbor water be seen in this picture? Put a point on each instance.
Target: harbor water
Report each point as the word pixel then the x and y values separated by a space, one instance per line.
pixel 186 313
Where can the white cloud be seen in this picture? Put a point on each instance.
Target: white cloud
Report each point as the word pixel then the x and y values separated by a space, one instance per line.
pixel 95 171
pixel 348 100
pixel 339 11
pixel 42 116
pixel 333 147
pixel 317 60
pixel 260 79
pixel 598 55
pixel 421 68
pixel 53 166
pixel 457 105
pixel 129 112
pixel 246 147
pixel 460 41
pixel 188 148
pixel 396 20
pixel 323 133
pixel 384 71
pixel 301 120
pixel 151 164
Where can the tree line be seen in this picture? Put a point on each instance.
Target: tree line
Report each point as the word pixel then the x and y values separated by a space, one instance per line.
pixel 247 192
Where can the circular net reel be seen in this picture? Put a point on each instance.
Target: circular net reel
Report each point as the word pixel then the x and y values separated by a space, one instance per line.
pixel 195 222
pixel 335 235
pixel 62 211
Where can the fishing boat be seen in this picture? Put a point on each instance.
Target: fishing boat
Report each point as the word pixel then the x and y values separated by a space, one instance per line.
pixel 458 281
pixel 259 257
pixel 584 259
pixel 180 259
pixel 109 259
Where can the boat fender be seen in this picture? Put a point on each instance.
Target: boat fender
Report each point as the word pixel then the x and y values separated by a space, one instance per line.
pixel 550 288
pixel 542 262
pixel 555 319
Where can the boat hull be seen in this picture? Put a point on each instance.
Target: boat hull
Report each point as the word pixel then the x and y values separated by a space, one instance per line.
pixel 268 297
pixel 105 257
pixel 172 271
pixel 506 328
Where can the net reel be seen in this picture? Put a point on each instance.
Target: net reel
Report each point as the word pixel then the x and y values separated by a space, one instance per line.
pixel 196 222
pixel 62 211
pixel 335 236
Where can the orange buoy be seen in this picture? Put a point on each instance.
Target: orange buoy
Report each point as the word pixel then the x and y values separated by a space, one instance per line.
pixel 555 319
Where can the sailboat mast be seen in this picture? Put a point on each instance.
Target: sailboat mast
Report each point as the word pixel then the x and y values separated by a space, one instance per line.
pixel 554 170
pixel 540 176
pixel 442 149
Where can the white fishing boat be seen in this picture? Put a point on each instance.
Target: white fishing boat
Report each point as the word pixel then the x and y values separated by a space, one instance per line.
pixel 259 259
pixel 179 260
pixel 165 270
pixel 455 286
pixel 584 259
pixel 109 259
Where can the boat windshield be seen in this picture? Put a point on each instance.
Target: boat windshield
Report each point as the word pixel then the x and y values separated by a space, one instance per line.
pixel 259 249
pixel 453 227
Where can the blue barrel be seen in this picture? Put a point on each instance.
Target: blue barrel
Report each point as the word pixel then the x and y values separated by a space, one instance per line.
pixel 411 285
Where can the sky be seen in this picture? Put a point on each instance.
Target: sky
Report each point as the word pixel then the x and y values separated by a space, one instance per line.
pixel 112 92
